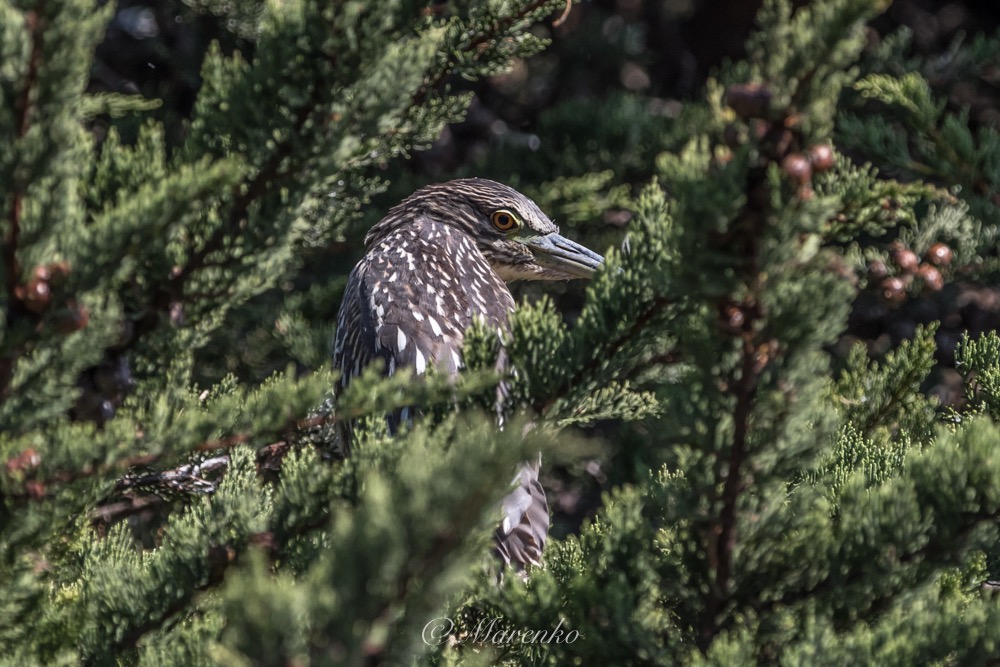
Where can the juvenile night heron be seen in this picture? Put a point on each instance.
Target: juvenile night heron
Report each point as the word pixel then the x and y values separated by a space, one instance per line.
pixel 438 260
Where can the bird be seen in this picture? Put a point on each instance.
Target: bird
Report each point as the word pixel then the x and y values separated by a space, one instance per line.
pixel 437 261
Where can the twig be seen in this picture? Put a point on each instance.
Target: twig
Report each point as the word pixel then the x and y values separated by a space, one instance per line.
pixel 565 15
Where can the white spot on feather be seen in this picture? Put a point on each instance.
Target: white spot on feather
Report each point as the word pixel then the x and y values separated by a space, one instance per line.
pixel 421 362
pixel 435 327
pixel 401 340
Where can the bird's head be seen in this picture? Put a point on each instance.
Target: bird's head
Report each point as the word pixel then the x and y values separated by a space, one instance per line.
pixel 512 233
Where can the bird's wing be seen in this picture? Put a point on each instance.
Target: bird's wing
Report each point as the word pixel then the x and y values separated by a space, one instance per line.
pixel 354 346
pixel 392 313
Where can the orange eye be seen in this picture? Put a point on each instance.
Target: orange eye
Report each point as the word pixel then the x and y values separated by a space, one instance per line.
pixel 504 220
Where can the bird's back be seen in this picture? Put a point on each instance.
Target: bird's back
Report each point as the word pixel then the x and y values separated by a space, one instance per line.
pixel 411 298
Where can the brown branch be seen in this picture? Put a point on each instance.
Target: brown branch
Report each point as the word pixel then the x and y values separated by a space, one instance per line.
pixel 746 393
pixel 722 538
pixel 112 513
pixel 188 477
pixel 244 195
pixel 720 541
pixel 12 268
pixel 565 15
pixel 39 489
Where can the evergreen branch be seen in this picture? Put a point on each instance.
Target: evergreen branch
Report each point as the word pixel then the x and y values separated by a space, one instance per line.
pixel 244 196
pixel 747 234
pixel 220 558
pixel 270 173
pixel 935 550
pixel 436 557
pixel 472 46
pixel 131 639
pixel 22 109
pixel 593 364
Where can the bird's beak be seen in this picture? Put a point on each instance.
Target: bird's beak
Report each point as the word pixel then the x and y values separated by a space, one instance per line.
pixel 560 255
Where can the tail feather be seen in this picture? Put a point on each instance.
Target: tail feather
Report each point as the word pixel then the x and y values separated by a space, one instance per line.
pixel 521 536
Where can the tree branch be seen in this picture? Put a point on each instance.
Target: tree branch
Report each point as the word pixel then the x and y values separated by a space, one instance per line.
pixel 11 265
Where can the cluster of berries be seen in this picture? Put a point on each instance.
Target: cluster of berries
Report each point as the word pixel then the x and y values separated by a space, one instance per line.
pixel 752 102
pixel 38 295
pixel 895 279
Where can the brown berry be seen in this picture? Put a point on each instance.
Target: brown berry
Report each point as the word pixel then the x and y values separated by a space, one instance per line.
pixel 894 289
pixel 731 318
pixel 749 100
pixel 905 259
pixel 26 460
pixel 764 354
pixel 41 273
pixel 266 540
pixel 933 282
pixel 821 157
pixel 797 167
pixel 35 296
pixel 939 254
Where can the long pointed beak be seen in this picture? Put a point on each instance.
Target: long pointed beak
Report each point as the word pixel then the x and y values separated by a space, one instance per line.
pixel 560 255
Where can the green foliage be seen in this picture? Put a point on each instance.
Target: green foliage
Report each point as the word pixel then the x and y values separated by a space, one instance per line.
pixel 811 53
pixel 884 400
pixel 774 510
pixel 979 363
pixel 913 132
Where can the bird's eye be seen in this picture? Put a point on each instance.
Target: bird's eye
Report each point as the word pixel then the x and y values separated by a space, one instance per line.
pixel 504 220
